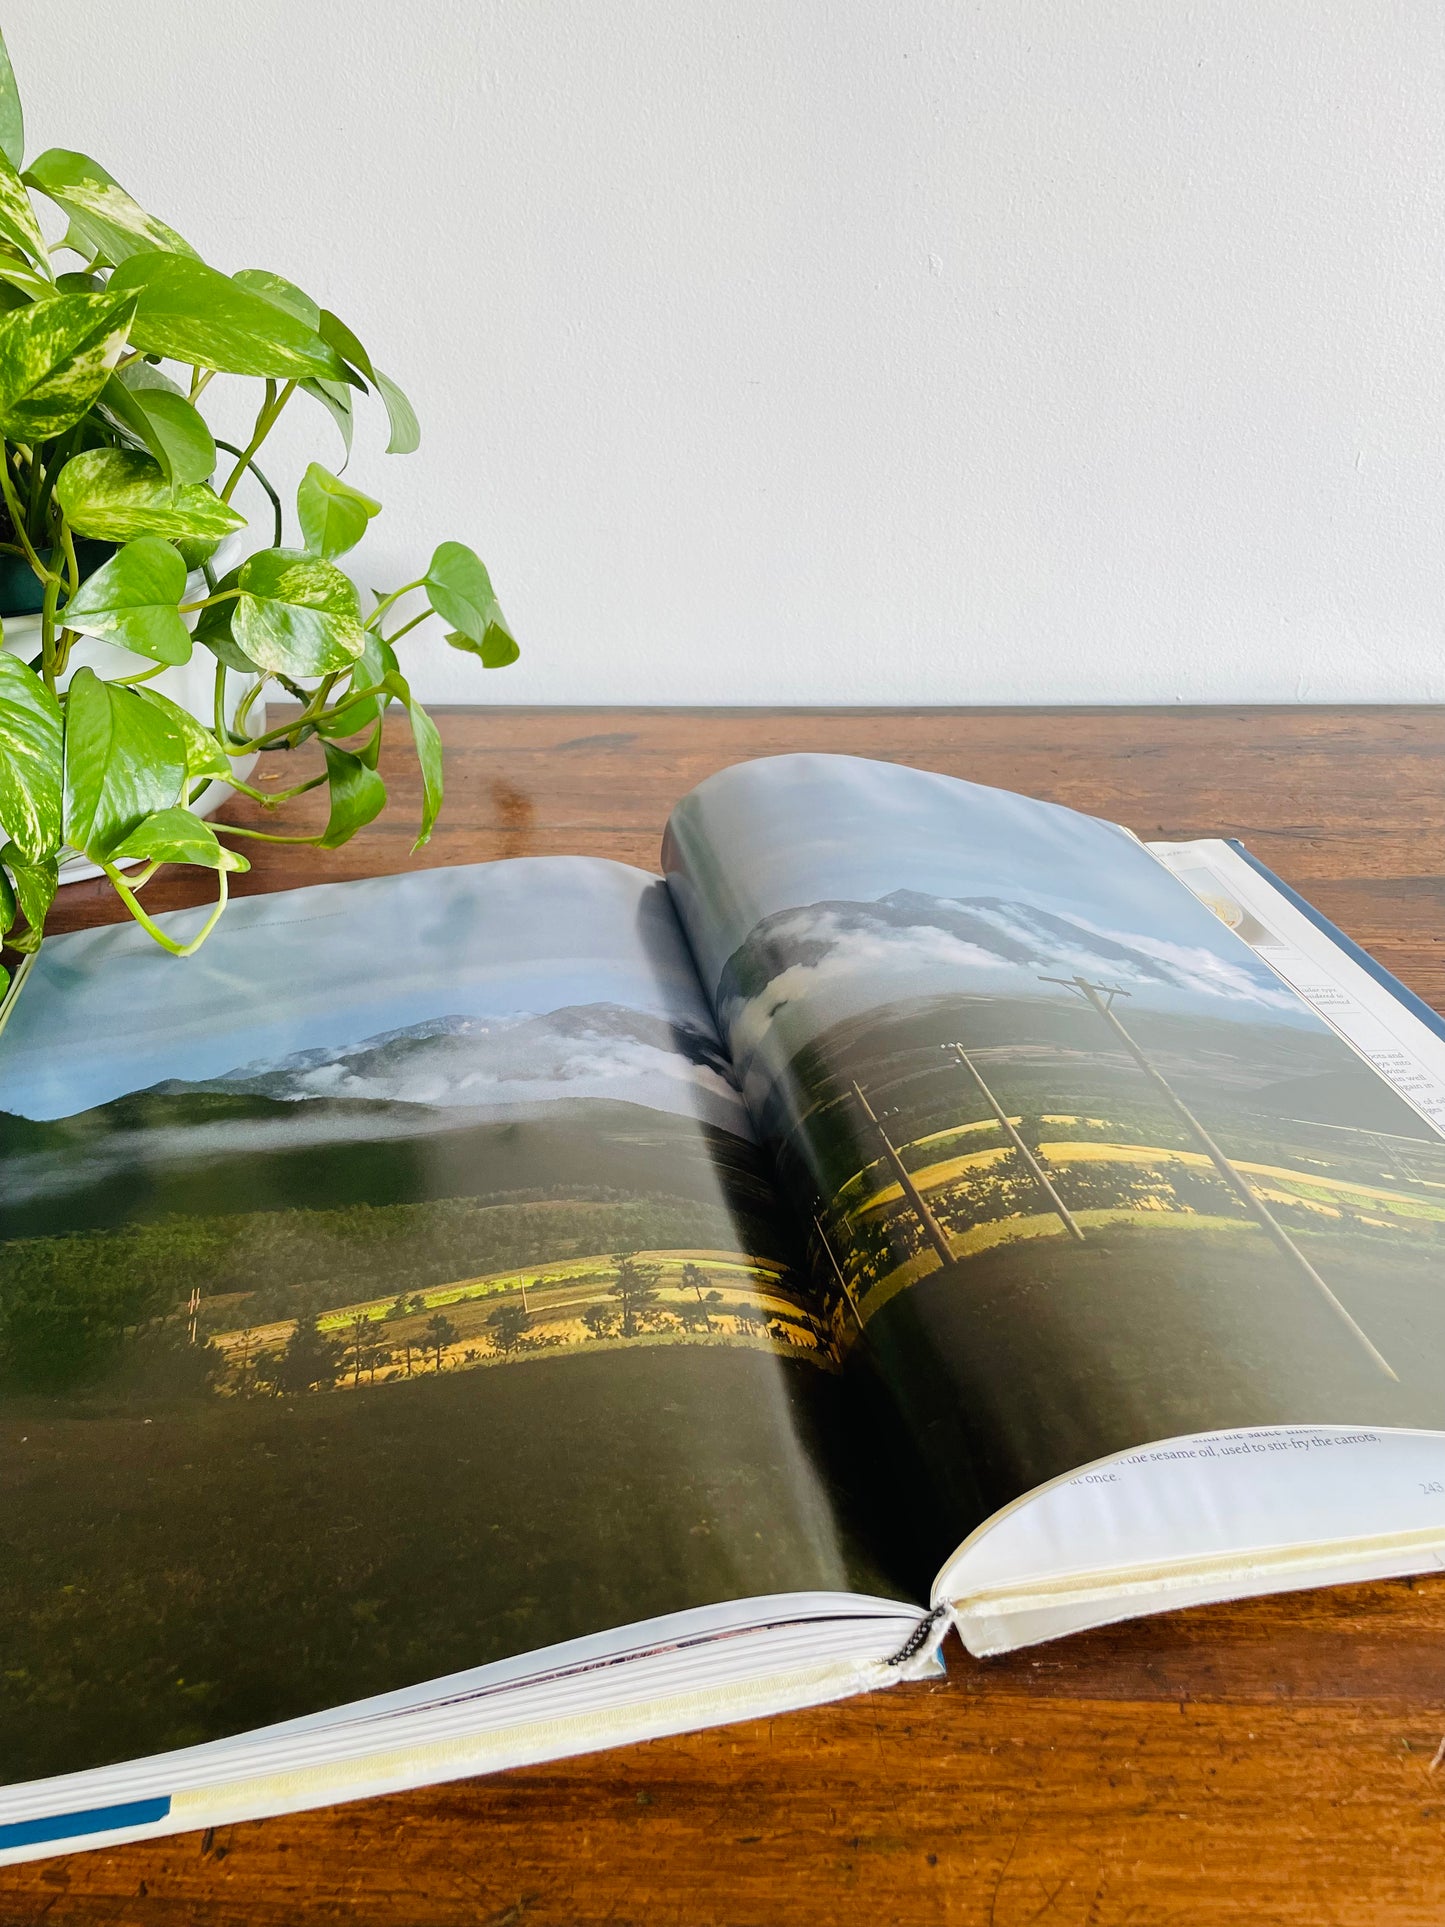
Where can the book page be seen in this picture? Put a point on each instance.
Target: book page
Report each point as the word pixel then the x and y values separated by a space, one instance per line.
pixel 392 1288
pixel 1350 998
pixel 1085 1172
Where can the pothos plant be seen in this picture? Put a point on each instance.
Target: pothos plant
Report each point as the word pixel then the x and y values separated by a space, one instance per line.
pixel 117 495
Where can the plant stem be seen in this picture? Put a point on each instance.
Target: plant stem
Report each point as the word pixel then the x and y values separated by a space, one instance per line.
pixel 407 626
pixel 50 666
pixel 218 713
pixel 16 985
pixel 243 709
pixel 221 595
pixel 152 928
pixel 261 836
pixel 37 472
pixel 12 503
pixel 310 714
pixel 278 518
pixel 272 797
pixel 60 455
pixel 72 566
pixel 386 601
pixel 265 422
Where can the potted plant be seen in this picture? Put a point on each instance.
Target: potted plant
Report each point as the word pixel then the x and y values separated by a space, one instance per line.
pixel 143 626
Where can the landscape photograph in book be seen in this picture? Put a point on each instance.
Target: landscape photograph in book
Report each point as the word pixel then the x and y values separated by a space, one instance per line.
pixel 1079 1170
pixel 384 1305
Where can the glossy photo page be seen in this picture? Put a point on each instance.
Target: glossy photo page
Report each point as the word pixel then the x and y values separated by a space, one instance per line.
pixel 1081 1170
pixel 394 1287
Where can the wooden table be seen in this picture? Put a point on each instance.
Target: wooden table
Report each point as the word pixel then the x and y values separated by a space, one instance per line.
pixel 1267 1763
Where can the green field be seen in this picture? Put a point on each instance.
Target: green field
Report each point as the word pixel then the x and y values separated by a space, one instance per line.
pixel 221 1563
pixel 1028 1360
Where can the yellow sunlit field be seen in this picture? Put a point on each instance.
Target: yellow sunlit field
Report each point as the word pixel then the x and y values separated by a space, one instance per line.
pixel 982 1199
pixel 692 1296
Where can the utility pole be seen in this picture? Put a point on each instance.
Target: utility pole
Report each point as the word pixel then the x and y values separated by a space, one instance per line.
pixel 843 1284
pixel 1040 1176
pixel 933 1230
pixel 1101 998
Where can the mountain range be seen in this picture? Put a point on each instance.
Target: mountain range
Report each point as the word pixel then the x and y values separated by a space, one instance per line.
pixel 978 942
pixel 582 1050
pixel 487 1094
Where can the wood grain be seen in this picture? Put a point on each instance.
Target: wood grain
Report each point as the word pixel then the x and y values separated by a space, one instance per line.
pixel 1268 1762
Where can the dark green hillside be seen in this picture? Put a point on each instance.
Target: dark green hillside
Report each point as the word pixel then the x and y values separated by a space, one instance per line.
pixel 131 1161
pixel 1027 1361
pixel 213 1565
pixel 150 1110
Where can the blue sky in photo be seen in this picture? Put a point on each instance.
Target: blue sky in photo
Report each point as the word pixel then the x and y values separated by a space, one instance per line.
pixel 793 831
pixel 107 1011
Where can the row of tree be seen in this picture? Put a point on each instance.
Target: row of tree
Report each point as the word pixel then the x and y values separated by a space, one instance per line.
pixel 317 1360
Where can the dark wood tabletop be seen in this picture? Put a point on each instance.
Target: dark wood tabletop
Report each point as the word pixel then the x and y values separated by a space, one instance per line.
pixel 1273 1762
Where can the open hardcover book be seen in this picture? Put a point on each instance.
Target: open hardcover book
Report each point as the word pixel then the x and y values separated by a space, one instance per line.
pixel 476 1316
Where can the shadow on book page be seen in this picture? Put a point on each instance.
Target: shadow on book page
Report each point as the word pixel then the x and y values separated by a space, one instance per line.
pixel 1082 1172
pixel 393 1288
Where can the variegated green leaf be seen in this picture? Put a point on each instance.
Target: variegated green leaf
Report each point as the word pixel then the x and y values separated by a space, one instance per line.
pixel 35 885
pixel 405 429
pixel 55 357
pixel 173 431
pixel 297 615
pixel 205 759
pixel 175 836
pixel 460 590
pixel 116 494
pixel 18 224
pixel 193 313
pixel 285 294
pixel 332 514
pixel 22 282
pixel 131 601
pixel 123 762
pixel 12 119
pixel 31 761
pixel 104 221
pixel 335 398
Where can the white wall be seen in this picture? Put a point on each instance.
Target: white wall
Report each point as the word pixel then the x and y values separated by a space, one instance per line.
pixel 880 351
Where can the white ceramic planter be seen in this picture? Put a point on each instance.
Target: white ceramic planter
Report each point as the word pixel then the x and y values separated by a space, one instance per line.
pixel 190 684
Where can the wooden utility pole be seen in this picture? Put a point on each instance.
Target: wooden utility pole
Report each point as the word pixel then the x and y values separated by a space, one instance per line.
pixel 933 1230
pixel 843 1284
pixel 1101 997
pixel 1040 1175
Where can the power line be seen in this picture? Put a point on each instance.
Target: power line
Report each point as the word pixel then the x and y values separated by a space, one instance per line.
pixel 1040 1175
pixel 843 1284
pixel 1101 998
pixel 933 1230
